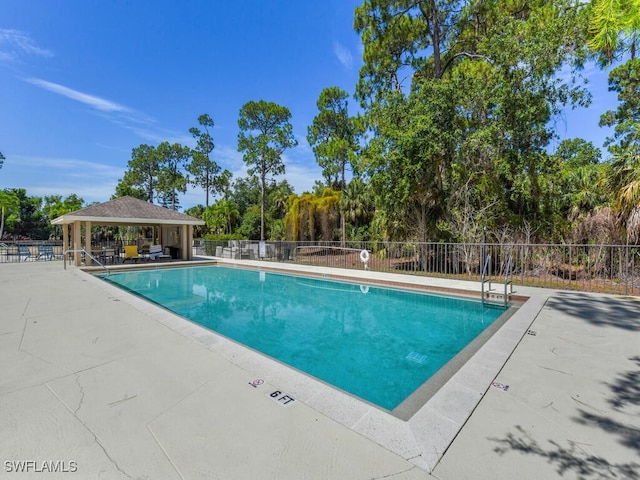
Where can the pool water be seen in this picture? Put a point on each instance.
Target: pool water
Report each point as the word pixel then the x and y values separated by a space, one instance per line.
pixel 379 344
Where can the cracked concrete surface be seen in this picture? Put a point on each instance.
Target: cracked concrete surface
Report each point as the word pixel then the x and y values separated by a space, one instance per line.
pixel 103 384
pixel 115 388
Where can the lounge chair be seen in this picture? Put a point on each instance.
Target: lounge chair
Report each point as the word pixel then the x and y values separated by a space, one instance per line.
pixel 155 253
pixel 25 253
pixel 45 251
pixel 131 254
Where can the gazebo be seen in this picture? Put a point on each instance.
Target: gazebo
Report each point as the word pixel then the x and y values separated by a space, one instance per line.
pixel 166 227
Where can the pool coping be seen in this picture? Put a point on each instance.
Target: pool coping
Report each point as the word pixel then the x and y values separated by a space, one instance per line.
pixel 421 439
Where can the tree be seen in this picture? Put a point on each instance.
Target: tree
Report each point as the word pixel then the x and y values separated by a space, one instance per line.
pixel 246 193
pixel 625 81
pixel 410 156
pixel 462 95
pixel 614 26
pixel 221 216
pixel 9 208
pixel 127 187
pixel 265 133
pixel 224 183
pixel 171 180
pixel 197 211
pixel 142 176
pixel 277 199
pixel 29 221
pixel 624 181
pixel 202 167
pixel 313 217
pixel 333 136
pixel 2 159
pixel 356 204
pixel 624 166
pixel 54 206
pixel 578 180
pixel 577 152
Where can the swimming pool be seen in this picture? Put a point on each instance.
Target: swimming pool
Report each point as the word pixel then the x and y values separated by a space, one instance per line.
pixel 379 344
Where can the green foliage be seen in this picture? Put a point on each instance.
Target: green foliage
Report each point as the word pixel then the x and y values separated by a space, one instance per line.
pixel 197 211
pixel 251 224
pixel 333 136
pixel 55 206
pixel 409 157
pixel 614 26
pixel 142 175
pixel 9 210
pixel 312 217
pixel 171 179
pixel 222 216
pixel 29 220
pixel 625 81
pixel 624 181
pixel 156 173
pixel 460 100
pixel 265 133
pixel 577 152
pixel 204 170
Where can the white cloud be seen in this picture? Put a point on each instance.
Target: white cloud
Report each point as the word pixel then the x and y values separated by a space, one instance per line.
pixel 301 175
pixel 343 54
pixel 139 123
pixel 231 159
pixel 91 100
pixel 15 44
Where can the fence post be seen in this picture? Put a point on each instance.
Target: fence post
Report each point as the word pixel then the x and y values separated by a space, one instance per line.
pixel 626 269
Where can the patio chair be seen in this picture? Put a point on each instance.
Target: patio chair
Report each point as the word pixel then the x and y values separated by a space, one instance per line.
pixel 24 252
pixel 108 255
pixel 45 251
pixel 131 254
pixel 156 253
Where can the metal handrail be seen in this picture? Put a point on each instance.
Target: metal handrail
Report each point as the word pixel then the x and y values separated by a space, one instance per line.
pixel 485 268
pixel 82 250
pixel 508 279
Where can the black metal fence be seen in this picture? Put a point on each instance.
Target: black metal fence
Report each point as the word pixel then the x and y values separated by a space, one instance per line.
pixel 30 250
pixel 594 268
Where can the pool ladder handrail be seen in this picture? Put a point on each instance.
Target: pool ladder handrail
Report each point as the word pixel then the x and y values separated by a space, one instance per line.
pixel 486 278
pixel 82 250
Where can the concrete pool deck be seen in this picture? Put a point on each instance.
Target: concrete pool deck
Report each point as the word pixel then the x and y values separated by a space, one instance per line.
pixel 95 380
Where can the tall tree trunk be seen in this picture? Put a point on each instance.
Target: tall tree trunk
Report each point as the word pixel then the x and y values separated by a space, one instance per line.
pixel 2 224
pixel 263 179
pixel 343 224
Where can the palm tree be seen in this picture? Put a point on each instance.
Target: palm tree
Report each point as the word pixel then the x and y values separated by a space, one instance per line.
pixel 624 181
pixel 355 203
pixel 583 190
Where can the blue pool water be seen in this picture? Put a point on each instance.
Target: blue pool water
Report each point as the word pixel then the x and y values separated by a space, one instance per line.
pixel 376 343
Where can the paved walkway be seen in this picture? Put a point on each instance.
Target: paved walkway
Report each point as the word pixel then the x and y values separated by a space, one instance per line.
pixel 94 383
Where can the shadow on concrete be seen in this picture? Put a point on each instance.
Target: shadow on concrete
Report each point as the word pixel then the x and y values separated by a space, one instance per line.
pixel 626 388
pixel 573 459
pixel 626 396
pixel 600 311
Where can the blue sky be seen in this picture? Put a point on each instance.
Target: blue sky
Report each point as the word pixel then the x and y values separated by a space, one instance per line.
pixel 85 81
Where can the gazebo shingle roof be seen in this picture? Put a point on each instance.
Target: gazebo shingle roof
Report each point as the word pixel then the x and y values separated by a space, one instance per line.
pixel 128 210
